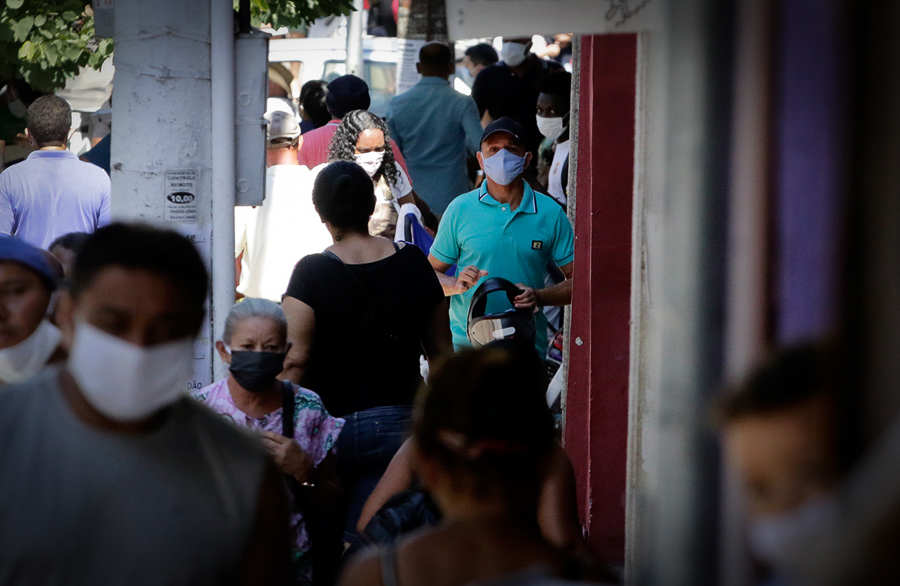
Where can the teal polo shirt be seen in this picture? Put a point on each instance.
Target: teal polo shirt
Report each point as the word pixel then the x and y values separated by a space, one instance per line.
pixel 516 245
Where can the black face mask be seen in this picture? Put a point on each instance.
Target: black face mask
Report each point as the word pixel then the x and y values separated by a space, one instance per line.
pixel 255 371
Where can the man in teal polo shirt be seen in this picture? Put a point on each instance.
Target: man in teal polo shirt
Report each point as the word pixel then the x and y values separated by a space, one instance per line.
pixel 504 229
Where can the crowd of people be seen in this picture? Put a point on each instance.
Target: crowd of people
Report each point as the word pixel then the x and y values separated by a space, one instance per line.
pixel 340 311
pixel 323 456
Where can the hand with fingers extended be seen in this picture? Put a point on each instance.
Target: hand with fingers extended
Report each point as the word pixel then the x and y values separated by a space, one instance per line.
pixel 467 277
pixel 527 299
pixel 288 455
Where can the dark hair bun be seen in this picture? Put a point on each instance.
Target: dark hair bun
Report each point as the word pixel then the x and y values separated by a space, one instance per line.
pixel 344 196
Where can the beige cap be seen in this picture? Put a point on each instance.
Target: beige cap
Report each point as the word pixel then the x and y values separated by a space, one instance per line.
pixel 282 125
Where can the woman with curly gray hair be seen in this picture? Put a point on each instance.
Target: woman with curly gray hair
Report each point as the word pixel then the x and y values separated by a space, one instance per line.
pixel 363 138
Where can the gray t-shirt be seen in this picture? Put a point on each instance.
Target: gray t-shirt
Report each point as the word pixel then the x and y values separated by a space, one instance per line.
pixel 80 505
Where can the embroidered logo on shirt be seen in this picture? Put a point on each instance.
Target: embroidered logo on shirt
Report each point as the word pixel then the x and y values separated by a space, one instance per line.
pixel 537 244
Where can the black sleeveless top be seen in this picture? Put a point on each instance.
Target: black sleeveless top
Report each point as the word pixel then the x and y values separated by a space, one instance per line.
pixel 370 321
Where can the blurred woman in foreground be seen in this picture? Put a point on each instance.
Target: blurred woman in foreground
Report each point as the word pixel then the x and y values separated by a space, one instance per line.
pixel 482 437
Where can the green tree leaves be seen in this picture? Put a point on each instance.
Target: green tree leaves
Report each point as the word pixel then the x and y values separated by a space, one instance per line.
pixel 46 42
pixel 294 13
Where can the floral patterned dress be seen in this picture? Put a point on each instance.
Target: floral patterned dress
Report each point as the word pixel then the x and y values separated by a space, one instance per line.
pixel 314 429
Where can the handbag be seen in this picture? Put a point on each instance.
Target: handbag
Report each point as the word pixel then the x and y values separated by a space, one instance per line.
pixel 325 531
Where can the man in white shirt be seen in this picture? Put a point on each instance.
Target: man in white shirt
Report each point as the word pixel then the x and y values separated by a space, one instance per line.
pixel 553 122
pixel 274 236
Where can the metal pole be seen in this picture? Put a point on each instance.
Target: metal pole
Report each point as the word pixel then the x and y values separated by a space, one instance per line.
pixel 354 40
pixel 223 175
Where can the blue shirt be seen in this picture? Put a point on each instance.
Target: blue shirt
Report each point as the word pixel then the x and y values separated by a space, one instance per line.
pixel 435 126
pixel 52 193
pixel 516 245
pixel 100 153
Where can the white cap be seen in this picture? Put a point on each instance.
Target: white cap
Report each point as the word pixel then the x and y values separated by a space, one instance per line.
pixel 282 125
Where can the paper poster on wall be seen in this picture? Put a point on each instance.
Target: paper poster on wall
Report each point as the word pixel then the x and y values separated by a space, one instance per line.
pixel 469 19
pixel 180 204
pixel 407 76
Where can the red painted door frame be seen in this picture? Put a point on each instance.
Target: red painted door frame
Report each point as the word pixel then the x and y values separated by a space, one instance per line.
pixel 596 433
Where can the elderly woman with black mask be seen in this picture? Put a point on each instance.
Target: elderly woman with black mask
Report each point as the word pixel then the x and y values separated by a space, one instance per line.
pixel 254 346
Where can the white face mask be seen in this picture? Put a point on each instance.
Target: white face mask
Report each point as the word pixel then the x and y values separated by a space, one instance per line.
pixel 551 127
pixel 126 382
pixel 370 162
pixel 775 539
pixel 18 108
pixel 513 54
pixel 25 359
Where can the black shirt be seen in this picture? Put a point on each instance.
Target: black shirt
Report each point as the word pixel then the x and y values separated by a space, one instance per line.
pixel 370 321
pixel 503 93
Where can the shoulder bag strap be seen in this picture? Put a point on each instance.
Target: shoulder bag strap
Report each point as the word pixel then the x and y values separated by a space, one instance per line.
pixel 287 409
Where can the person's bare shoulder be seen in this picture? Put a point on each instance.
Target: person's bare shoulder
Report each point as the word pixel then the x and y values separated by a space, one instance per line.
pixel 363 570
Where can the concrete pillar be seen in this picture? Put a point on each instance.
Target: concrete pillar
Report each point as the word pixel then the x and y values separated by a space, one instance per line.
pixel 355 32
pixel 683 514
pixel 161 160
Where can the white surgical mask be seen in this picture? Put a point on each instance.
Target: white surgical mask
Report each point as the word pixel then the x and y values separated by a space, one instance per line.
pixel 503 167
pixel 126 382
pixel 370 162
pixel 775 539
pixel 513 54
pixel 18 108
pixel 25 359
pixel 551 128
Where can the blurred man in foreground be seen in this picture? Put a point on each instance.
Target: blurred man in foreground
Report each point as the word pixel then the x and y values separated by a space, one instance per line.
pixel 111 474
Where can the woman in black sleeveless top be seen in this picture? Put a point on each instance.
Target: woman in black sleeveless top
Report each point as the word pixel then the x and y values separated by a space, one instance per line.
pixel 359 316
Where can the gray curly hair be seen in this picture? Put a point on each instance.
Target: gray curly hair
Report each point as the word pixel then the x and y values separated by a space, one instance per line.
pixel 254 307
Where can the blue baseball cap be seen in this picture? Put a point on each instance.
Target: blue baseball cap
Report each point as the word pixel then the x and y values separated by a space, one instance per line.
pixel 507 125
pixel 13 249
pixel 345 94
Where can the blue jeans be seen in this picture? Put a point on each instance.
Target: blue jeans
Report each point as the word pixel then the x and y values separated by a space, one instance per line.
pixel 365 447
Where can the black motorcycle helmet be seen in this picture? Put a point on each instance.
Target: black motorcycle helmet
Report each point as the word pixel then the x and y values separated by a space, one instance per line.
pixel 510 324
